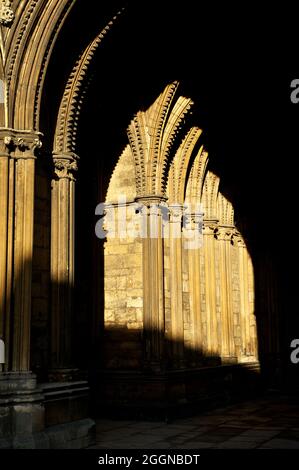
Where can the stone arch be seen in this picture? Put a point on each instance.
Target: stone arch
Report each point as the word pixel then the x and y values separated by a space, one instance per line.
pixel 121 181
pixel 195 184
pixel 225 211
pixel 210 193
pixel 29 42
pixel 151 135
pixel 75 90
pixel 63 196
pixel 186 312
pixel 2 91
pixel 211 328
pixel 2 101
pixel 177 176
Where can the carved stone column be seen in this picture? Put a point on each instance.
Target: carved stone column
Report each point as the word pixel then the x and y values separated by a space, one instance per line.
pixel 209 231
pixel 176 287
pixel 153 281
pixel 248 345
pixel 194 246
pixel 17 168
pixel 224 235
pixel 62 264
pixel 21 410
pixel 4 239
pixel 16 240
pixel 24 148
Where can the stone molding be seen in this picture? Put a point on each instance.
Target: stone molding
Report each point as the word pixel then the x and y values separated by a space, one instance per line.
pixel 6 13
pixel 210 228
pixel 224 233
pixel 19 144
pixel 238 240
pixel 65 165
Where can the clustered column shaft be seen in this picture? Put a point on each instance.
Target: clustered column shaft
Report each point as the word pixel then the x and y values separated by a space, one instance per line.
pixel 62 262
pixel 17 162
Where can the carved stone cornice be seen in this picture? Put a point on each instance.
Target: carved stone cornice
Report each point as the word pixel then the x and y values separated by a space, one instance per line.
pixel 6 13
pixel 19 144
pixel 65 165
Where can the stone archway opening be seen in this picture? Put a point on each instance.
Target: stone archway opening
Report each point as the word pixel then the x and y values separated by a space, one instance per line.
pixel 205 296
pixel 108 109
pixel 145 320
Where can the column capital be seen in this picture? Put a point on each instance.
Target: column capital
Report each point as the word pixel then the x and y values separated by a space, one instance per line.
pixel 210 227
pixel 225 233
pixel 65 165
pixel 195 217
pixel 19 143
pixel 148 199
pixel 153 205
pixel 194 220
pixel 238 240
pixel 176 213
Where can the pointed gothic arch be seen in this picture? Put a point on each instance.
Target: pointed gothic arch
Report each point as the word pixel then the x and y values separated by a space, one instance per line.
pixel 214 330
pixel 175 296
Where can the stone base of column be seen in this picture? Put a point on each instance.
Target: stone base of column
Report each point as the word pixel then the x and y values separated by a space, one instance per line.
pixel 65 402
pixel 176 393
pixel 229 360
pixel 244 359
pixel 53 415
pixel 67 421
pixel 66 375
pixel 75 435
pixel 178 364
pixel 22 412
pixel 154 367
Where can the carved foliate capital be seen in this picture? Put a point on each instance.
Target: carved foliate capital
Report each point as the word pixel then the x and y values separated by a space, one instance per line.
pixel 238 240
pixel 23 144
pixel 152 205
pixel 197 218
pixel 65 166
pixel 19 144
pixel 6 13
pixel 225 233
pixel 4 142
pixel 210 227
pixel 194 221
pixel 148 199
pixel 175 213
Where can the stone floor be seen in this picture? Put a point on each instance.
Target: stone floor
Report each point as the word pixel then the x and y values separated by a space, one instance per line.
pixel 266 423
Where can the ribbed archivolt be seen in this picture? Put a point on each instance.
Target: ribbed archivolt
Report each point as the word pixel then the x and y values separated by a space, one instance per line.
pixel 210 193
pixel 74 94
pixel 195 182
pixel 177 175
pixel 151 135
pixel 198 296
